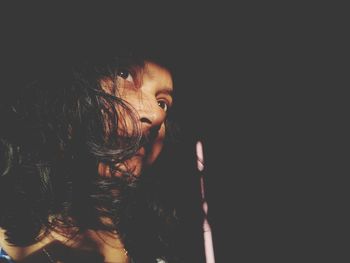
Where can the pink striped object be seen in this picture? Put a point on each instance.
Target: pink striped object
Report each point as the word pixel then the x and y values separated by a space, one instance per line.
pixel 208 240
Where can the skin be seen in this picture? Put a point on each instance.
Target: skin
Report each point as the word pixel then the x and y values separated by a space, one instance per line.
pixel 149 94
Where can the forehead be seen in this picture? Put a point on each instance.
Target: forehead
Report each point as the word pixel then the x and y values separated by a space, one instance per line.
pixel 157 73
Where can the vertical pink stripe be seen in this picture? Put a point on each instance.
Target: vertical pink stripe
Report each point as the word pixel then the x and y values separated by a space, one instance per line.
pixel 208 240
pixel 200 158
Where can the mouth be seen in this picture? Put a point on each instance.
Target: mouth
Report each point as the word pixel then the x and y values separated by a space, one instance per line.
pixel 147 141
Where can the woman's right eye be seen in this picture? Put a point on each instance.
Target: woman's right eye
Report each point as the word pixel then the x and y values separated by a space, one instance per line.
pixel 125 74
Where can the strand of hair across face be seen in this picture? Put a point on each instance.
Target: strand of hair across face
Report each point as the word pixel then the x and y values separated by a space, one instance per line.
pixel 208 240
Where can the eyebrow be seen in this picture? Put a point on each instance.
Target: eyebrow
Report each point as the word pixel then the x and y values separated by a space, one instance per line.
pixel 166 91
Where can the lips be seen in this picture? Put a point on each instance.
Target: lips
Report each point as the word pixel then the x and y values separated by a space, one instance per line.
pixel 151 145
pixel 148 140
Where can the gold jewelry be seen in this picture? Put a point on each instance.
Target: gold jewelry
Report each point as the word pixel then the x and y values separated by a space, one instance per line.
pixel 48 255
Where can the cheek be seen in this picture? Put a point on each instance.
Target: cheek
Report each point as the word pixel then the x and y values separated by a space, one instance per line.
pixel 157 146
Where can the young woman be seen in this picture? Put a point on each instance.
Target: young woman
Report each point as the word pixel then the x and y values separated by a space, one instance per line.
pixel 76 183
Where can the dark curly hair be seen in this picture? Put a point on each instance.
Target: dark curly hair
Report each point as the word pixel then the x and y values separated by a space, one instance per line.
pixel 52 138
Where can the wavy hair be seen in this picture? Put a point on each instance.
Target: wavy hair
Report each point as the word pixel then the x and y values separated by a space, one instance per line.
pixel 53 137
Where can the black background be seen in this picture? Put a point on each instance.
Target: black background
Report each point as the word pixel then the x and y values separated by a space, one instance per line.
pixel 248 86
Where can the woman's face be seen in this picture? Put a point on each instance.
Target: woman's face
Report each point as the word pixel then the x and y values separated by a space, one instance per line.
pixel 150 95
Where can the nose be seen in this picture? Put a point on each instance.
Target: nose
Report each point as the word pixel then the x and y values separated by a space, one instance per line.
pixel 151 116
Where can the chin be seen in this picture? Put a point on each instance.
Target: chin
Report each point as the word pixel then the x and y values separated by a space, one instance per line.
pixel 154 154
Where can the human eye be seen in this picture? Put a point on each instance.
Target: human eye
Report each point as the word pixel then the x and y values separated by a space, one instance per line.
pixel 165 105
pixel 125 74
